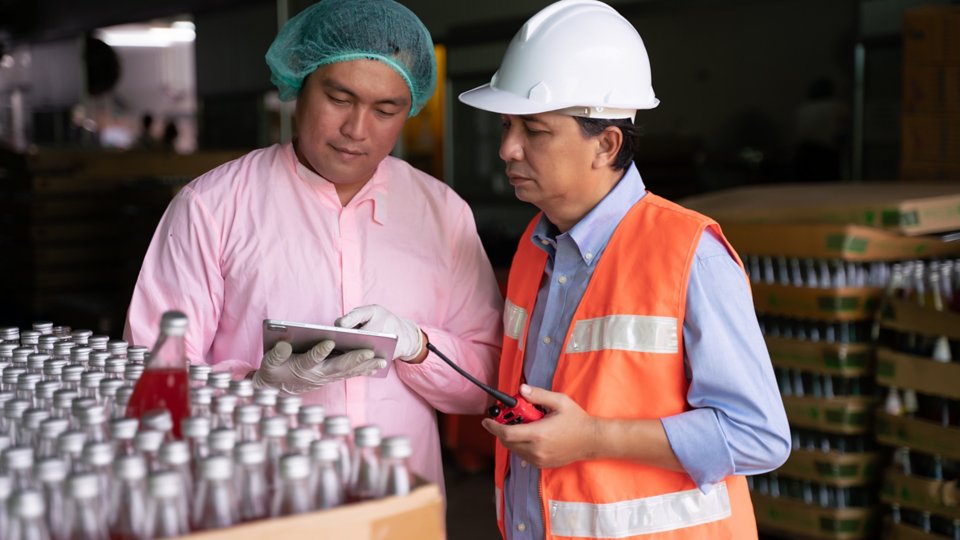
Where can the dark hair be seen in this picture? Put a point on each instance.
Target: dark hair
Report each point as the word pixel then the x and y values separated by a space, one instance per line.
pixel 592 127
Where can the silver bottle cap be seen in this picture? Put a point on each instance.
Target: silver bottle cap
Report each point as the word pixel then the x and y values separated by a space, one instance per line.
pixel 83 486
pixel 242 388
pixel 338 425
pixel 222 440
pixel 91 379
pixel 10 333
pixel 249 414
pixel 325 450
pixel 195 426
pixel 109 387
pixel 132 372
pixel 299 439
pixel 98 360
pixel 51 428
pixel 311 415
pixel 294 466
pixel 27 504
pixel 224 404
pixel 274 426
pixel 148 440
pixel 71 442
pixel 98 454
pixel 72 373
pixel 396 447
pixel 158 420
pixel 202 395
pixel 216 468
pixel 219 380
pixel 132 467
pixel 63 398
pixel 36 360
pixel 164 484
pixel 44 327
pixel 115 366
pixel 137 353
pixel 289 405
pixel 33 416
pixel 199 372
pixel 250 453
pixel 45 389
pixel 14 408
pixel 80 355
pixel 51 470
pixel 124 429
pixel 174 453
pixel 93 415
pixel 265 397
pixel 29 337
pixel 18 458
pixel 174 323
pixel 117 347
pixel 98 343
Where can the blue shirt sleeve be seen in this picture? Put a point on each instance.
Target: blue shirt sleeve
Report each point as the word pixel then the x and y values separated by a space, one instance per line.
pixel 737 424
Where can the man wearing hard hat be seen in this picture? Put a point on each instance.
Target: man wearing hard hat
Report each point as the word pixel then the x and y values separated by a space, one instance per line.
pixel 628 317
pixel 330 229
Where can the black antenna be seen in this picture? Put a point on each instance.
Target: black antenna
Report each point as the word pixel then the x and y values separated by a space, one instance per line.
pixel 503 398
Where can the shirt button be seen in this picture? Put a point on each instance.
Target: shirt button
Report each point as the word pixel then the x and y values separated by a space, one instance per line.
pixel 521 527
pixel 562 279
pixel 544 241
pixel 547 340
pixel 523 464
pixel 588 255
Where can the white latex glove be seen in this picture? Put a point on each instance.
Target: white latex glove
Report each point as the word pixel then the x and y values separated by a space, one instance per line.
pixel 299 373
pixel 379 319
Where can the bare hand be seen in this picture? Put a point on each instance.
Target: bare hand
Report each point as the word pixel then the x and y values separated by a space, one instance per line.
pixel 566 434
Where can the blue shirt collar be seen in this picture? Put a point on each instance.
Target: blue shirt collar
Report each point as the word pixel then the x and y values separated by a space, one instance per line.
pixel 592 233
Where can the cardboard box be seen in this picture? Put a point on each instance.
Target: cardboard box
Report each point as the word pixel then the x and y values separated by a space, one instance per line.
pixel 902 531
pixel 926 171
pixel 794 518
pixel 846 242
pixel 918 373
pixel 846 304
pixel 905 316
pixel 919 493
pixel 914 208
pixel 418 515
pixel 847 415
pixel 832 468
pixel 931 35
pixel 925 436
pixel 930 137
pixel 850 359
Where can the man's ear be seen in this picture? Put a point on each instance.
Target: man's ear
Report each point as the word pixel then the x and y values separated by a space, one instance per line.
pixel 609 142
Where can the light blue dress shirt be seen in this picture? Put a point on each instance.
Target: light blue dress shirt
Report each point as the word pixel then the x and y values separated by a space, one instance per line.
pixel 737 424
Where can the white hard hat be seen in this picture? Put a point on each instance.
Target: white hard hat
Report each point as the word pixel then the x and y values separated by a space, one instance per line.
pixel 579 57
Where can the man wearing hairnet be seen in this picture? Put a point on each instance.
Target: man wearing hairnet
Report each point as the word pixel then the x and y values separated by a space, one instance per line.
pixel 330 229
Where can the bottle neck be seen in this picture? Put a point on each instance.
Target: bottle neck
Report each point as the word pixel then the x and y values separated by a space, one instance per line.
pixel 169 352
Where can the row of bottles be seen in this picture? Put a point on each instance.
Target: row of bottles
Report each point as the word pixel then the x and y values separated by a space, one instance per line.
pixel 934 524
pixel 821 441
pixel 814 493
pixel 908 402
pixel 801 383
pixel 118 442
pixel 815 273
pixel 815 331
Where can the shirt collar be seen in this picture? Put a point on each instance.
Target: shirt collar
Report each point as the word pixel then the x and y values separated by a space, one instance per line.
pixel 375 190
pixel 592 233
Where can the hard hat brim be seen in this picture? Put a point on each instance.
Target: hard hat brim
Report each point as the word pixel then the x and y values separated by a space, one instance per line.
pixel 488 98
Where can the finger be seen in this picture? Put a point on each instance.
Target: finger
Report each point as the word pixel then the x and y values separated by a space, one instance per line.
pixel 317 354
pixel 371 366
pixel 357 317
pixel 552 401
pixel 278 354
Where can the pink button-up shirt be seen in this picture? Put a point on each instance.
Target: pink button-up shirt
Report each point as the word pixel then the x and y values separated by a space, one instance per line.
pixel 264 237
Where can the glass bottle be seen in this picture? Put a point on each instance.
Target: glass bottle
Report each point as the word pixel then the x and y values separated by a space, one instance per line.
pixel 98 342
pixel 175 456
pixel 164 384
pixel 253 489
pixel 85 516
pixel 93 420
pixel 220 382
pixel 147 442
pixel 27 517
pixel 248 422
pixel 18 462
pixel 293 495
pixel 273 430
pixel 266 398
pixel 326 484
pixel 6 489
pixel 136 354
pixel 158 420
pixel 222 441
pixel 50 430
pixel 13 414
pixel 196 430
pixel 337 428
pixel 243 389
pixel 128 504
pixel 123 431
pixel 30 430
pixel 198 374
pixel 311 416
pixel 215 504
pixel 70 449
pixel 51 473
pixel 289 406
pixel 365 465
pixel 90 384
pixel 43 398
pixel 223 408
pixel 98 459
pixel 200 399
pixel 70 377
pixel 299 439
pixel 397 478
pixel 165 517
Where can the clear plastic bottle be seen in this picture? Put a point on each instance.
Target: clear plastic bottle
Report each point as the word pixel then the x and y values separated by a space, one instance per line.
pixel 108 396
pixel 147 442
pixel 98 459
pixel 293 494
pixel 215 504
pixel 175 456
pixel 93 420
pixel 397 478
pixel 289 406
pixel 123 431
pixel 63 403
pixel 196 430
pixel 220 382
pixel 50 429
pixel 273 430
pixel 267 399
pixel 164 383
pixel 222 441
pixel 128 504
pixel 243 389
pixel 27 517
pixel 223 409
pixel 326 484
pixel 51 474
pixel 198 373
pixel 165 517
pixel 299 440
pixel 70 449
pixel 85 515
pixel 337 428
pixel 251 458
pixel 18 462
pixel 200 400
pixel 365 465
pixel 13 414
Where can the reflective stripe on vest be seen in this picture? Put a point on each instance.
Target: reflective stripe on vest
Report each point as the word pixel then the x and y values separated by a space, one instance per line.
pixel 636 333
pixel 514 321
pixel 498 497
pixel 640 516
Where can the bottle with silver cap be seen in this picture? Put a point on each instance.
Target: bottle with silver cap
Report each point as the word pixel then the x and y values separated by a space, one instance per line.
pixel 365 464
pixel 248 422
pixel 46 343
pixel 80 355
pixel 27 384
pixel 175 456
pixel 123 431
pixel 299 439
pixel 115 367
pixel 137 354
pixel 337 428
pixel 70 449
pixel 165 517
pixel 11 375
pixel 289 406
pixel 196 430
pixel 50 429
pixel 215 504
pixel 266 398
pixel 293 494
pixel 243 389
pixel 223 409
pixel 98 361
pixel 108 396
pixel 13 415
pixel 70 377
pixel 61 351
pixel 164 384
pixel 98 342
pixel 86 516
pixel 29 430
pixel 6 489
pixel 220 382
pixel 93 420
pixel 198 374
pixel 81 336
pixel 397 478
pixel 148 442
pixel 35 363
pixel 326 484
pixel 63 403
pixel 311 416
pixel 253 489
pixel 98 459
pixel 90 383
pixel 121 401
pixel 27 516
pixel 222 441
pixel 128 505
pixel 132 373
pixel 43 398
pixel 117 348
pixel 51 474
pixel 200 399
pixel 18 462
pixel 158 420
pixel 10 335
pixel 273 430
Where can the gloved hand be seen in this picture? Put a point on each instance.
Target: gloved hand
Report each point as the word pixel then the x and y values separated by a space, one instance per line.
pixel 378 319
pixel 299 373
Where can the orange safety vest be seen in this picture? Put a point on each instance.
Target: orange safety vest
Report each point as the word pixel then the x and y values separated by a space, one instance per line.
pixel 622 357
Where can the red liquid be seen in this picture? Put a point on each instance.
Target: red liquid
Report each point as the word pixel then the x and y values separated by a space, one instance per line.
pixel 162 389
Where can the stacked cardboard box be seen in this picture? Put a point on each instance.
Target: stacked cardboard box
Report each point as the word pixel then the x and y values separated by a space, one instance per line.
pixel 819 259
pixel 931 93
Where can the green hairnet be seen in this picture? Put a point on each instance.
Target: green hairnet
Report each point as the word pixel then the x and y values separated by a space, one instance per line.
pixel 334 31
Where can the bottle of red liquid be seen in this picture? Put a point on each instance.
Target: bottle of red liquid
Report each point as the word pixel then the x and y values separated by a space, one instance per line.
pixel 164 383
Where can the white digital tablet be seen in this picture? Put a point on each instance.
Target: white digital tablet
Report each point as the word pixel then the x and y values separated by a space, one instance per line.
pixel 302 337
